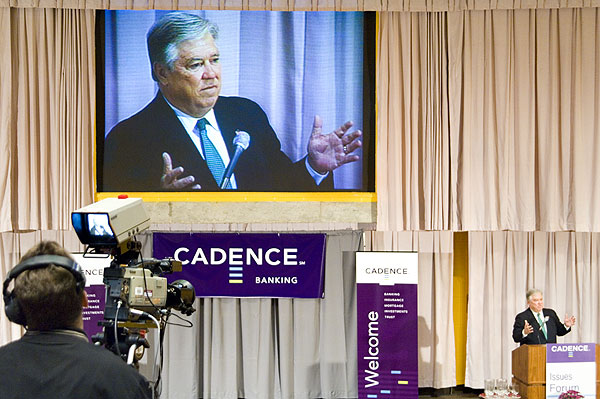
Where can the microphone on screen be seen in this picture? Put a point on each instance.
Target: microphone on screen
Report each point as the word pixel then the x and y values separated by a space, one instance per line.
pixel 241 141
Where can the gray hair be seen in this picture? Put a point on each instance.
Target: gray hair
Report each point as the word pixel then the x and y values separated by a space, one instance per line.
pixel 165 36
pixel 532 292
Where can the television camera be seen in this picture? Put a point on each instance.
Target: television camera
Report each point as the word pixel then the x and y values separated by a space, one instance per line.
pixel 138 295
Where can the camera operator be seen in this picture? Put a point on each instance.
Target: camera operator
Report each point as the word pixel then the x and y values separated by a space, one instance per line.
pixel 54 358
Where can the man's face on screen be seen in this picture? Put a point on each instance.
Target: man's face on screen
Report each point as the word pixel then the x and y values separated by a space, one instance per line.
pixel 536 302
pixel 194 83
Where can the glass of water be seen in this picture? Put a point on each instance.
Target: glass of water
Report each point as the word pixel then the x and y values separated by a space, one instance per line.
pixel 501 387
pixel 488 388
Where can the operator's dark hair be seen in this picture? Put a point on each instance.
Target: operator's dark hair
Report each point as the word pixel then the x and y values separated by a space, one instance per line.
pixel 48 296
pixel 165 36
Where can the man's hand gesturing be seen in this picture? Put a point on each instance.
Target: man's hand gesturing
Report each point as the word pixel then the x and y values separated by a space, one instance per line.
pixel 170 177
pixel 327 152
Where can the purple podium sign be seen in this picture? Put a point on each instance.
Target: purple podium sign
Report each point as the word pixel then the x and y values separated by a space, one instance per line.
pixel 247 265
pixel 571 367
pixel 387 325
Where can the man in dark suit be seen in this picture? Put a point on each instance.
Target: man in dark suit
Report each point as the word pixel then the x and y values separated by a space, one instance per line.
pixel 190 126
pixel 538 325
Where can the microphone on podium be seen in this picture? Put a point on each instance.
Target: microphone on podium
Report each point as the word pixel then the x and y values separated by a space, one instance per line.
pixel 241 141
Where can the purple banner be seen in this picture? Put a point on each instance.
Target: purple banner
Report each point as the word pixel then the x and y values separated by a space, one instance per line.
pixel 387 322
pixel 570 353
pixel 94 313
pixel 571 367
pixel 247 265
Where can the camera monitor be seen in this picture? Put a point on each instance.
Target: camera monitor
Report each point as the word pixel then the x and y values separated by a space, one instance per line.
pixel 110 222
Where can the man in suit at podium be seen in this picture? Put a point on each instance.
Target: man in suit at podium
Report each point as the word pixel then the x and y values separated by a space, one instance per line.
pixel 539 325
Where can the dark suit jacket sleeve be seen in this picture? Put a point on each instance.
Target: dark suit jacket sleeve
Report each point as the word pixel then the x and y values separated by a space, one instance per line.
pixel 518 326
pixel 558 327
pixel 133 149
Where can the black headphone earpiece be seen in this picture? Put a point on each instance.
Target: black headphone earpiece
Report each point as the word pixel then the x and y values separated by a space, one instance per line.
pixel 11 305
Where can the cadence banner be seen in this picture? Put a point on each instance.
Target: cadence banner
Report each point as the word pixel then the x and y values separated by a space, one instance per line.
pixel 571 367
pixel 387 324
pixel 93 268
pixel 247 265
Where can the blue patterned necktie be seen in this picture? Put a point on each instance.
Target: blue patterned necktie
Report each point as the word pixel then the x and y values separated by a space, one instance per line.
pixel 211 155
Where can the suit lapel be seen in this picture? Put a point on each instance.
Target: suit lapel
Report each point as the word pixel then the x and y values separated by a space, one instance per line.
pixel 533 317
pixel 226 126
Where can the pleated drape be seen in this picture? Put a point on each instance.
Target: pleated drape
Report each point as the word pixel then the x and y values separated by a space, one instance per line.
pixel 305 5
pixel 488 120
pixel 524 128
pixel 47 97
pixel 47 116
pixel 413 148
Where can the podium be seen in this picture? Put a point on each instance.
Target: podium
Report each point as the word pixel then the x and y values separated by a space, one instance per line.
pixel 529 370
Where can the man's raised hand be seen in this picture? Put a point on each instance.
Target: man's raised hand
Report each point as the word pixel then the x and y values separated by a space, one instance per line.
pixel 327 152
pixel 528 329
pixel 170 177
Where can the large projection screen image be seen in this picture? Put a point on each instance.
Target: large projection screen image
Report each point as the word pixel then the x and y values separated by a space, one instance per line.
pixel 257 101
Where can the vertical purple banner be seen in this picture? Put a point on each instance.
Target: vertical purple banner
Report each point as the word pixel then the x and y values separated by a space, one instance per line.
pixel 94 313
pixel 387 325
pixel 247 265
pixel 93 268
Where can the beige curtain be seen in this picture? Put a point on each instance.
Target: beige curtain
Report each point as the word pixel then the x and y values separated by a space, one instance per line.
pixel 502 266
pixel 47 97
pixel 524 119
pixel 315 5
pixel 47 116
pixel 412 164
pixel 488 120
pixel 437 364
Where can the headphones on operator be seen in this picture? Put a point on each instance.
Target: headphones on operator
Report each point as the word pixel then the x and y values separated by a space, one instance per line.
pixel 11 305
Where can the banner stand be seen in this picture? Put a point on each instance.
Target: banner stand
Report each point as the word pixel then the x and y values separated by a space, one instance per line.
pixel 387 323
